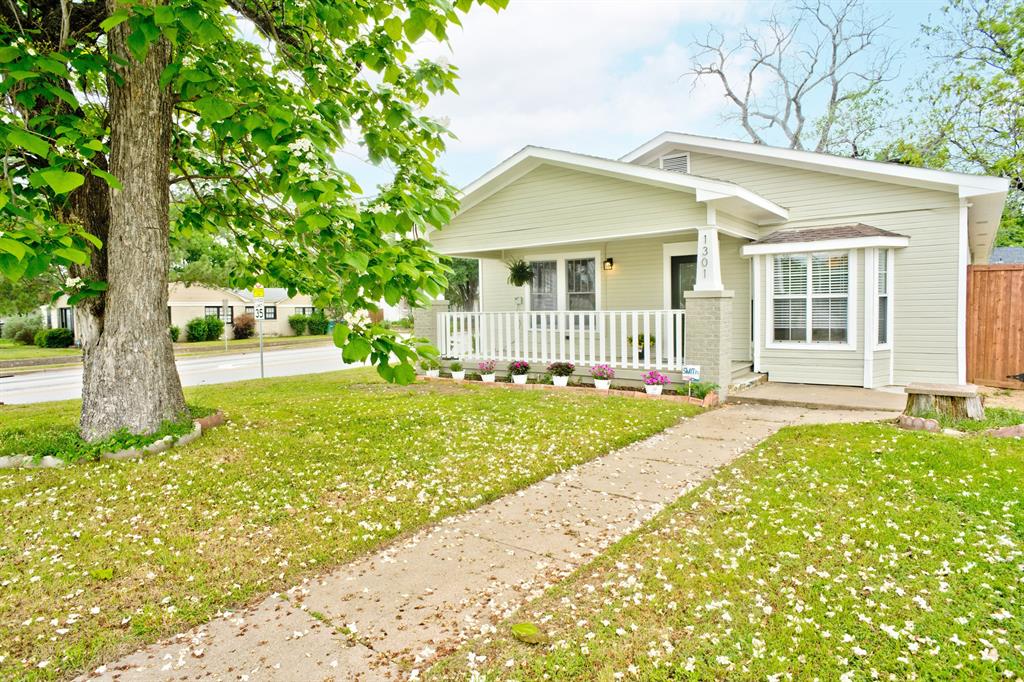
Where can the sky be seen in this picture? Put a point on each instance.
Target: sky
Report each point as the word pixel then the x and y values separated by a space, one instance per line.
pixel 596 76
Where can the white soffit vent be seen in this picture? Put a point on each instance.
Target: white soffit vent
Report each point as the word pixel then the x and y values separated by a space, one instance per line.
pixel 679 163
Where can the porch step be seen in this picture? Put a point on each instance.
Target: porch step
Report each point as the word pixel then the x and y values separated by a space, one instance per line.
pixel 749 379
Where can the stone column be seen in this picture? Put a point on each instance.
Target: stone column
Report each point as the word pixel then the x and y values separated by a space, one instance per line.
pixel 708 336
pixel 424 322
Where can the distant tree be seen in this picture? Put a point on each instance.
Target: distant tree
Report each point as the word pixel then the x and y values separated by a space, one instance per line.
pixel 26 295
pixel 209 260
pixel 463 283
pixel 801 73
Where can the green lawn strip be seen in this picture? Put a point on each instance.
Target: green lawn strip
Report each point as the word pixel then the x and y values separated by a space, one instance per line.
pixel 9 350
pixel 100 558
pixel 831 552
pixel 995 417
pixel 268 341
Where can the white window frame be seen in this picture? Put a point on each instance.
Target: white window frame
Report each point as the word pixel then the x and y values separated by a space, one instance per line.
pixel 851 306
pixel 561 294
pixel 890 258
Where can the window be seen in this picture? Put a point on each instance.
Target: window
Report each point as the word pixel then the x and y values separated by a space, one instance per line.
pixel 884 294
pixel 580 287
pixel 215 311
pixel 67 318
pixel 810 298
pixel 301 310
pixel 544 286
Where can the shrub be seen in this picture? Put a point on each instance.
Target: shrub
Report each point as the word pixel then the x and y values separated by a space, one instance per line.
pixel 298 323
pixel 40 338
pixel 486 367
pixel 427 364
pixel 602 372
pixel 175 332
pixel 317 324
pixel 656 378
pixel 58 338
pixel 23 328
pixel 195 329
pixel 519 367
pixel 697 389
pixel 561 369
pixel 214 328
pixel 245 326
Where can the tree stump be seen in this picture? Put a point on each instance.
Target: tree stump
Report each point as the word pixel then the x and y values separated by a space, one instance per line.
pixel 953 401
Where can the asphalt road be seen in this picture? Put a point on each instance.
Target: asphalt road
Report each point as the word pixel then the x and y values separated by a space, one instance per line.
pixel 63 384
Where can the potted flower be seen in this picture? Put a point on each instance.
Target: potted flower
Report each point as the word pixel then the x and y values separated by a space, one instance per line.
pixel 560 372
pixel 458 373
pixel 641 344
pixel 431 368
pixel 655 381
pixel 519 369
pixel 486 371
pixel 603 375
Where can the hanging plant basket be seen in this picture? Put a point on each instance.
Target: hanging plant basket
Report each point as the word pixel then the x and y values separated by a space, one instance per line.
pixel 520 273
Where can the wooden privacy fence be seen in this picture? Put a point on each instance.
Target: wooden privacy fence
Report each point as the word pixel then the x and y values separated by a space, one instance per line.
pixel 995 325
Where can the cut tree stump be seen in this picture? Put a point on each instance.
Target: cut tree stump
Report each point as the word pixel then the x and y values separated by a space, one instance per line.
pixel 949 400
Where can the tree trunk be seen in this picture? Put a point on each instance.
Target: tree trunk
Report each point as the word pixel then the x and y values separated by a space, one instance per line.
pixel 130 380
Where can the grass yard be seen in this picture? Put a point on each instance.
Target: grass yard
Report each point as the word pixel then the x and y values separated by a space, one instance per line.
pixel 183 347
pixel 99 558
pixel 9 350
pixel 831 552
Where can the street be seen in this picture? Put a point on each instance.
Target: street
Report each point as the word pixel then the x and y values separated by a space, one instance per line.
pixel 64 384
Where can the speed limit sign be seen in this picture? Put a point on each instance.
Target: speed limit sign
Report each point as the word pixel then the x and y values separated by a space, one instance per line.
pixel 258 310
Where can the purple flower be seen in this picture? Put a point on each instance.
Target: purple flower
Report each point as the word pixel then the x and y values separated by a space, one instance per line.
pixel 656 378
pixel 486 367
pixel 602 372
pixel 519 367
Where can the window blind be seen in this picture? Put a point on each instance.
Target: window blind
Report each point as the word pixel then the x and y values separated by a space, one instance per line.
pixel 811 297
pixel 883 296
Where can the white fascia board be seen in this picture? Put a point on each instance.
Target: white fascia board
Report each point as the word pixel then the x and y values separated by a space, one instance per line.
pixel 826 245
pixel 529 158
pixel 877 170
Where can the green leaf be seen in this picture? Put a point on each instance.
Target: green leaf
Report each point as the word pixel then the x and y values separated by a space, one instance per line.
pixel 214 109
pixel 162 15
pixel 404 374
pixel 74 255
pixel 114 19
pixel 529 633
pixel 138 44
pixel 16 249
pixel 9 54
pixel 109 177
pixel 62 182
pixel 102 573
pixel 340 334
pixel 357 259
pixel 356 350
pixel 27 140
pixel 393 27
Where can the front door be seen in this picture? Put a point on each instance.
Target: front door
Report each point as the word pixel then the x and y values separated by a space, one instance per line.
pixel 683 278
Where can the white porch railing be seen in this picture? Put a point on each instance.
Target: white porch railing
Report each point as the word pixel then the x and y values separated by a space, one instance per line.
pixel 629 339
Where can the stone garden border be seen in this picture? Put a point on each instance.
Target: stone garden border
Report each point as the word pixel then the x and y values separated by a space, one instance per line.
pixel 909 423
pixel 199 427
pixel 711 400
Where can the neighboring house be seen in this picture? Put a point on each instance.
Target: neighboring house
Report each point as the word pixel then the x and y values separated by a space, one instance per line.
pixel 187 302
pixel 733 256
pixel 1008 255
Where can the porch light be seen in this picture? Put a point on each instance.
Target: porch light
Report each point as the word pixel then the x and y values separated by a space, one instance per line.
pixel 609 263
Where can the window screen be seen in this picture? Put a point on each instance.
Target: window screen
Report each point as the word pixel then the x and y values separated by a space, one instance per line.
pixel 544 286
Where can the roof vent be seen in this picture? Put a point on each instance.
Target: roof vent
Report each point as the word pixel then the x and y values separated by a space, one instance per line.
pixel 679 163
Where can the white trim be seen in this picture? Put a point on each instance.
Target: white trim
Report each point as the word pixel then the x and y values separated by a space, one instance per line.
pixel 530 157
pixel 870 315
pixel 892 316
pixel 826 245
pixel 851 310
pixel 667 251
pixel 961 297
pixel 583 240
pixel 758 281
pixel 709 264
pixel 966 184
pixel 878 294
pixel 561 294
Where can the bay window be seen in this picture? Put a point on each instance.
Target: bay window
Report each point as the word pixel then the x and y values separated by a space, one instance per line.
pixel 811 298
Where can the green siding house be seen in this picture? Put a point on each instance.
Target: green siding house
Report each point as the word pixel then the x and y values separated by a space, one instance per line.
pixel 736 257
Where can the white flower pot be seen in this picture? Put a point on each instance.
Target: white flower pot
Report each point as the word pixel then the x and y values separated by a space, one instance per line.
pixel 560 381
pixel 434 373
pixel 519 378
pixel 602 384
pixel 459 376
pixel 653 390
pixel 487 378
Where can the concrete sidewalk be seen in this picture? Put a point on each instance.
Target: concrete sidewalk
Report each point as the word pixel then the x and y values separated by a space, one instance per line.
pixel 383 616
pixel 822 397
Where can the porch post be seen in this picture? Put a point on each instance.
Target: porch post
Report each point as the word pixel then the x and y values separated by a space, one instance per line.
pixel 708 336
pixel 709 264
pixel 424 322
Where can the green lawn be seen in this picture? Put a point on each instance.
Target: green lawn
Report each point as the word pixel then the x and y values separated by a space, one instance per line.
pixel 184 346
pixel 832 553
pixel 9 350
pixel 99 558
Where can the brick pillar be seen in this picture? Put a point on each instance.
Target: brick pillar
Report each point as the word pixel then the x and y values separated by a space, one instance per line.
pixel 424 321
pixel 708 337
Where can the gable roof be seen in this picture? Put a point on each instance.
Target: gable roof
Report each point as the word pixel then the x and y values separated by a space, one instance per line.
pixel 984 194
pixel 727 196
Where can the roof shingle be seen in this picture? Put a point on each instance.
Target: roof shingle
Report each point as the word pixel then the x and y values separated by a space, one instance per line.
pixel 817 234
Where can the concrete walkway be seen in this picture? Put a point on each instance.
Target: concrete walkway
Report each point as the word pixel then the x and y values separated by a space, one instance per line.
pixel 823 397
pixel 383 616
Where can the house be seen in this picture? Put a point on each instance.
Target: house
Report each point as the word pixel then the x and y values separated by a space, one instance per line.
pixel 1007 255
pixel 188 302
pixel 736 257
